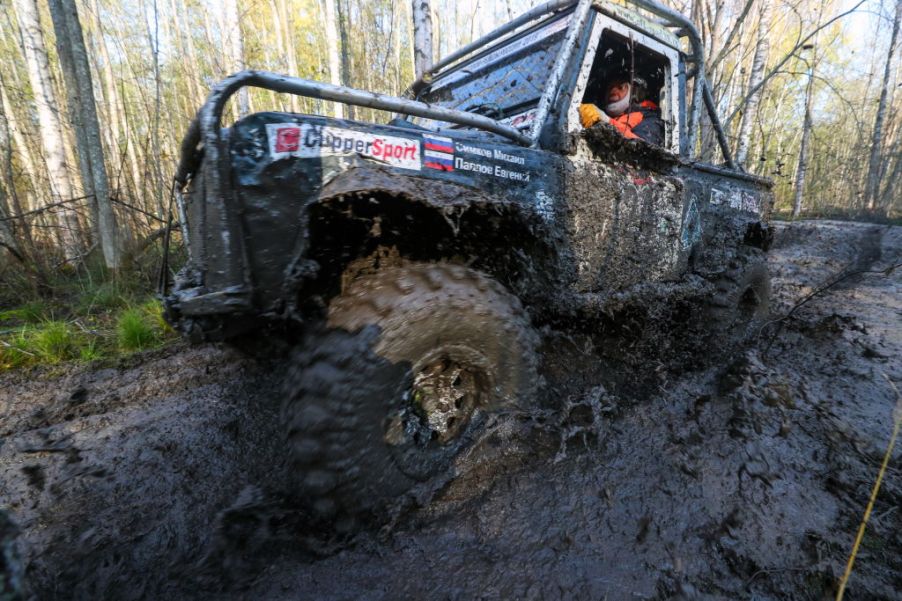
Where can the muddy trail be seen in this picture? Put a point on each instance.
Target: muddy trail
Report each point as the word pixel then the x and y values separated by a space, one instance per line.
pixel 165 476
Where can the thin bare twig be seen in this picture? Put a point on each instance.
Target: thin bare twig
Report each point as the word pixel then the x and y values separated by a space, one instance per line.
pixel 776 69
pixel 841 277
pixel 47 207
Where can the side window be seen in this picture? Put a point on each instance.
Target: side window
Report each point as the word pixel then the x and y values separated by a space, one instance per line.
pixel 630 79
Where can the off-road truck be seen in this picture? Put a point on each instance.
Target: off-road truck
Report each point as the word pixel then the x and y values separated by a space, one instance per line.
pixel 418 257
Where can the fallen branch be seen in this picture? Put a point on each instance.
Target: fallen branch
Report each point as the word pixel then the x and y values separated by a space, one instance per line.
pixel 137 209
pixel 837 279
pixel 13 251
pixel 46 208
pixel 141 247
pixel 79 259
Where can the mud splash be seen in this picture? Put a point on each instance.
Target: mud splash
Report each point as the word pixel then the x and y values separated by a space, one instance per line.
pixel 742 481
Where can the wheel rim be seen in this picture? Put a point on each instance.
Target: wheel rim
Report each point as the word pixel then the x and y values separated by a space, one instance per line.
pixel 446 388
pixel 445 394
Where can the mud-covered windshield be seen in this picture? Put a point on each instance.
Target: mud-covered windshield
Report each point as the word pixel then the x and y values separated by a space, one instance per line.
pixel 504 83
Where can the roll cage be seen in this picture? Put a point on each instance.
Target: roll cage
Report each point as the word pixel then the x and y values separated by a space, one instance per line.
pixel 664 25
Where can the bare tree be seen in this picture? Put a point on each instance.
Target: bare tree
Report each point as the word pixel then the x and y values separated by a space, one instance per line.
pixel 6 137
pixel 153 38
pixel 285 39
pixel 79 84
pixel 892 190
pixel 18 145
pixel 53 137
pixel 777 68
pixel 802 167
pixel 422 37
pixel 234 47
pixel 750 112
pixel 185 44
pixel 872 185
pixel 7 239
pixel 332 50
pixel 343 27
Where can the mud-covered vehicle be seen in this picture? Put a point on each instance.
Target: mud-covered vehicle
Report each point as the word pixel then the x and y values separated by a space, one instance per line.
pixel 418 258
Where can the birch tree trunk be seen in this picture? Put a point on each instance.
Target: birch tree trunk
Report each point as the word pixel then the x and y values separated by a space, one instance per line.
pixel 153 38
pixel 872 185
pixel 21 148
pixel 343 26
pixel 83 109
pixel 332 50
pixel 290 51
pixel 7 237
pixel 422 37
pixel 114 108
pixel 802 167
pixel 7 240
pixel 52 135
pixel 397 22
pixel 759 61
pixel 892 190
pixel 73 102
pixel 234 46
pixel 189 65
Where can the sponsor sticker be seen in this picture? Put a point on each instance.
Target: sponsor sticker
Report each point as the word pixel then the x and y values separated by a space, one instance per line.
pixel 545 205
pixel 438 153
pixel 731 198
pixel 750 203
pixel 692 225
pixel 521 120
pixel 306 140
pixel 490 169
pixel 490 153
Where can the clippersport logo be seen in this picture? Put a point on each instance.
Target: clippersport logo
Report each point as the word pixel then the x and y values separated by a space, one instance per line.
pixel 305 140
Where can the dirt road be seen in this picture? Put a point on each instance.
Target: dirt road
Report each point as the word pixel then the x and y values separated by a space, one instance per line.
pixel 747 480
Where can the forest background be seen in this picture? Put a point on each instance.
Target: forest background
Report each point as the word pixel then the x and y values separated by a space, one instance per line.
pixel 809 91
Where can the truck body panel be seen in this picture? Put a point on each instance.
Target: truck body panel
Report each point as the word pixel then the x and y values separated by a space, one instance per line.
pixel 590 213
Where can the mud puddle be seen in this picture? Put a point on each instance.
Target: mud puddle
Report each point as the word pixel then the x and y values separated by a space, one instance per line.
pixel 744 481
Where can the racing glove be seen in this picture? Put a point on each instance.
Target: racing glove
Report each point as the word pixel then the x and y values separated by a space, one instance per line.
pixel 589 114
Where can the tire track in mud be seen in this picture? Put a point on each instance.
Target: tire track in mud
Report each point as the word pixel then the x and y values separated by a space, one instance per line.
pixel 870 251
pixel 737 482
pixel 116 477
pixel 733 483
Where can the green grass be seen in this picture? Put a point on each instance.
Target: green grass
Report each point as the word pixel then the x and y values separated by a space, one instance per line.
pixel 55 341
pixel 112 331
pixel 134 330
pixel 31 312
pixel 105 297
pixel 14 351
pixel 83 312
pixel 90 351
pixel 49 342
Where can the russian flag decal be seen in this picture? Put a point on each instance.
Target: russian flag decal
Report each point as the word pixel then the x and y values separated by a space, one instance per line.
pixel 438 153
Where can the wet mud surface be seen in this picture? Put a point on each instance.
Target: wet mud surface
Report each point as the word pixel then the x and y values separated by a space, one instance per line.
pixel 742 480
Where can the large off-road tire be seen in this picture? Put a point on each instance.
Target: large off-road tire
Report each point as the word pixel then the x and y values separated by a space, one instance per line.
pixel 741 299
pixel 414 357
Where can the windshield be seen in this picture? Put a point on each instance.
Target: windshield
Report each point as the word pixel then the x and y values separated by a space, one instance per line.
pixel 504 83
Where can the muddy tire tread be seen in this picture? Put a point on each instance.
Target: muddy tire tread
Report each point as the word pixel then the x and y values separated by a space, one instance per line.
pixel 334 428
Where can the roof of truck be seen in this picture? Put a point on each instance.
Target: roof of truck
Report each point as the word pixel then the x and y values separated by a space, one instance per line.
pixel 644 23
pixel 640 22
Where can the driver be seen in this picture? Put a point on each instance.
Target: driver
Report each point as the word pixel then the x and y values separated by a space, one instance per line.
pixel 628 110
